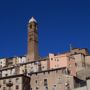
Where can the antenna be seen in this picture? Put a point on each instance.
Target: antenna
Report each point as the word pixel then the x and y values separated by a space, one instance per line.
pixel 70 46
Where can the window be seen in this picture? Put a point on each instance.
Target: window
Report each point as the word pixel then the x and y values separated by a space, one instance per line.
pixel 6 75
pixel 17 87
pixel 30 26
pixel 4 88
pixel 51 58
pixel 0 85
pixel 42 66
pixel 76 64
pixel 56 71
pixel 9 80
pixel 37 88
pixel 17 79
pixel 57 60
pixel 45 82
pixel 31 39
pixel 4 81
pixel 36 81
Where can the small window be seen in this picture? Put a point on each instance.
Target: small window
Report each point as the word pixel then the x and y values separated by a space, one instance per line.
pixel 9 80
pixel 31 26
pixel 31 39
pixel 76 64
pixel 51 58
pixel 4 88
pixel 17 79
pixel 57 60
pixel 36 81
pixel 37 88
pixel 6 75
pixel 0 85
pixel 17 87
pixel 45 82
pixel 4 81
pixel 42 66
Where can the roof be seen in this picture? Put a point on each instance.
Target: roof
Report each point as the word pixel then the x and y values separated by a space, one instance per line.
pixel 32 20
pixel 14 76
pixel 50 70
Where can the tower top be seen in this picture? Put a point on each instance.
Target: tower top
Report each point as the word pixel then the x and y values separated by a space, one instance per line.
pixel 32 20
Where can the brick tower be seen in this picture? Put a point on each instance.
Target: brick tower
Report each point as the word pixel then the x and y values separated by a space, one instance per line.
pixel 32 40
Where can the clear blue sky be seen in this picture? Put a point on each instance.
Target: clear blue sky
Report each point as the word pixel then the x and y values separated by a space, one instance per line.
pixel 60 23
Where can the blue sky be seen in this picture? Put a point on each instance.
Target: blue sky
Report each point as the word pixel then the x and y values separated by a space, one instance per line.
pixel 60 22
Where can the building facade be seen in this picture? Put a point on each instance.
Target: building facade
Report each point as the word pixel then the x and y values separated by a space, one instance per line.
pixel 54 72
pixel 57 79
pixel 15 82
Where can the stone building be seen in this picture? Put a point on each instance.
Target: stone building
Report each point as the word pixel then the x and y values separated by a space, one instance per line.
pixel 15 82
pixel 62 60
pixel 54 72
pixel 56 79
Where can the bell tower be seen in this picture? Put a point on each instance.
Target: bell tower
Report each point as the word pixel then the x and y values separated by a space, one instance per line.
pixel 33 53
